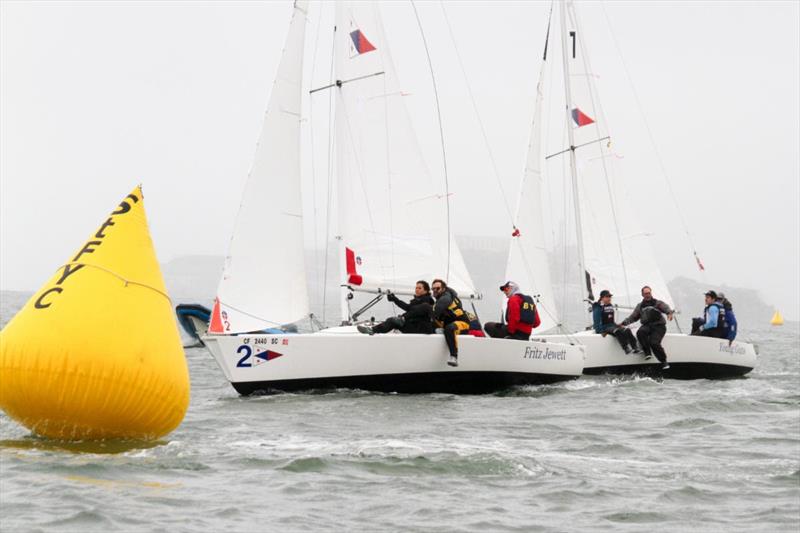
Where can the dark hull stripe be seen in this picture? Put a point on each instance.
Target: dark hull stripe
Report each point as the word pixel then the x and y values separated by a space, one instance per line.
pixel 184 311
pixel 453 382
pixel 676 370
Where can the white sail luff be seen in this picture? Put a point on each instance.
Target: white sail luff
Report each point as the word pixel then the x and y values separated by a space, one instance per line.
pixel 527 257
pixel 392 213
pixel 264 279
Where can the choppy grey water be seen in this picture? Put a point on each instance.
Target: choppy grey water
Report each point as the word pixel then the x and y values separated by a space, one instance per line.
pixel 599 453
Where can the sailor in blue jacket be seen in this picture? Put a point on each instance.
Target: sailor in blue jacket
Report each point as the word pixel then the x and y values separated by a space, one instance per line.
pixel 713 323
pixel 731 325
pixel 603 321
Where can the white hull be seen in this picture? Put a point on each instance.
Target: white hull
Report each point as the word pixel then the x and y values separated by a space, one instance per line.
pixel 690 357
pixel 341 357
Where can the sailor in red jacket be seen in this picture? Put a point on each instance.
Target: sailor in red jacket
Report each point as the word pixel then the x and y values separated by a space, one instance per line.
pixel 521 315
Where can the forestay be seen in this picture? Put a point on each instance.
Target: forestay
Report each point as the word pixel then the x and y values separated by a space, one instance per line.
pixel 264 279
pixel 392 213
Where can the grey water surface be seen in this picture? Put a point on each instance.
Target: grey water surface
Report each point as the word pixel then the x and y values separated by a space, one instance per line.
pixel 598 453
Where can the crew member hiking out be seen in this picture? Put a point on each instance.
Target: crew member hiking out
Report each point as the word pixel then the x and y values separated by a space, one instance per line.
pixel 418 316
pixel 449 315
pixel 651 314
pixel 520 318
pixel 603 321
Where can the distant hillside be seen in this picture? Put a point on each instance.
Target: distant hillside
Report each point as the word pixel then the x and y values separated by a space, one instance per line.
pixel 486 259
pixel 749 307
pixel 194 279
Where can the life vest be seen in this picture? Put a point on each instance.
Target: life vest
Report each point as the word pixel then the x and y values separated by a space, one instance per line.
pixel 528 314
pixel 721 322
pixel 730 324
pixel 607 314
pixel 455 311
pixel 527 310
pixel 651 314
pixel 475 328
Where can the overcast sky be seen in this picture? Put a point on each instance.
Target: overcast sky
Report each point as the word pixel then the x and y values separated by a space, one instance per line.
pixel 97 97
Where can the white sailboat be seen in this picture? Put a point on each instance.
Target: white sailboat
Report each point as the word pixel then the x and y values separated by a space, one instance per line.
pixel 612 253
pixel 394 229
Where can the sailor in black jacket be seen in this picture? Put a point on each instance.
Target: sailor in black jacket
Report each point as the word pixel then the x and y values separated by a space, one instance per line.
pixel 418 316
pixel 449 315
pixel 650 312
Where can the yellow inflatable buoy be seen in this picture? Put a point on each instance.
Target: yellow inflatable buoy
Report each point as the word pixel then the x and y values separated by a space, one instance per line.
pixel 777 319
pixel 96 353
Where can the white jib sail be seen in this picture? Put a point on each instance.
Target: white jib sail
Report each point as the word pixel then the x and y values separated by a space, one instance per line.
pixel 392 212
pixel 527 256
pixel 617 253
pixel 264 280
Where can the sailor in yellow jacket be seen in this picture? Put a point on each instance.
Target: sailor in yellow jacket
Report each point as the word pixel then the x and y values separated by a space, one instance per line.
pixel 450 315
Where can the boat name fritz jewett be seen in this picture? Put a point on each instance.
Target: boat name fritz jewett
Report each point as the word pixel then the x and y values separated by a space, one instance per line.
pixel 533 352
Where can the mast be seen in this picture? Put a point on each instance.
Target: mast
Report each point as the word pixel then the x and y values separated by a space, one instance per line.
pixel 344 290
pixel 598 195
pixel 584 275
pixel 393 216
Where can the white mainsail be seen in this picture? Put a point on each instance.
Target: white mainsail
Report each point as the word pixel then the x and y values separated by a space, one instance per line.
pixel 527 256
pixel 616 252
pixel 393 217
pixel 264 279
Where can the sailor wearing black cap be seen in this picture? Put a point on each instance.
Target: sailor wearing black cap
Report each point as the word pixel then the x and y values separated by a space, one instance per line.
pixel 603 321
pixel 712 324
pixel 520 318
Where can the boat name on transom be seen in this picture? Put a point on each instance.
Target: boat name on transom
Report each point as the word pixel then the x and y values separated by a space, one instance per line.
pixel 534 352
pixel 732 349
